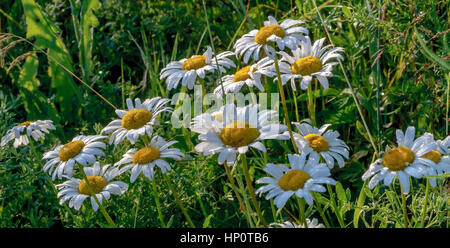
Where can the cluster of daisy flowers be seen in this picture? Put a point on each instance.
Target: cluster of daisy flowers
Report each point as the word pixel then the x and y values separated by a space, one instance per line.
pixel 78 161
pixel 280 51
pixel 233 130
pixel 230 132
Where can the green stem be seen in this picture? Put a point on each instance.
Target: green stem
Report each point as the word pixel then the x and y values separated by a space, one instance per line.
pixel 274 211
pixel 334 206
pixel 158 204
pixel 283 101
pixel 424 208
pixel 252 190
pixel 405 213
pixel 138 204
pixel 236 192
pixel 248 207
pixel 102 209
pixel 319 208
pixel 301 205
pixel 311 105
pixel 296 106
pixel 177 199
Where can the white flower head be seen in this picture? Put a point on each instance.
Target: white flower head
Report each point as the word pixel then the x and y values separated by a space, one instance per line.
pixel 249 75
pixel 288 224
pixel 138 120
pixel 235 130
pixel 439 157
pixel 301 178
pixel 100 178
pixel 187 70
pixel 82 150
pixel 287 34
pixel 21 132
pixel 320 142
pixel 307 62
pixel 403 161
pixel 145 159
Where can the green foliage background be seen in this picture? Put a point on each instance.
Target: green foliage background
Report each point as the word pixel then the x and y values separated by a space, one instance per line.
pixel 118 48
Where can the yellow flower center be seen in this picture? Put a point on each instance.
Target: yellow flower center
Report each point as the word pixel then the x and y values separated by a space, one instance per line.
pixel 242 74
pixel 146 155
pixel 194 63
pixel 97 183
pixel 266 31
pixel 293 180
pixel 396 158
pixel 218 117
pixel 136 118
pixel 238 133
pixel 70 150
pixel 317 142
pixel 25 123
pixel 306 66
pixel 433 155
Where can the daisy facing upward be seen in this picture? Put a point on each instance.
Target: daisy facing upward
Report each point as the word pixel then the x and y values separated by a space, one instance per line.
pixel 320 142
pixel 146 158
pixel 21 133
pixel 187 70
pixel 307 62
pixel 402 161
pixel 301 178
pixel 76 190
pixel 82 150
pixel 439 156
pixel 239 129
pixel 249 75
pixel 138 120
pixel 287 34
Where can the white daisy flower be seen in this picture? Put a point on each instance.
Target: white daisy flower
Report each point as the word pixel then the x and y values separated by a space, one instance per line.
pixel 308 62
pixel 145 159
pixel 238 129
pixel 288 224
pixel 76 190
pixel 443 146
pixel 187 70
pixel 300 179
pixel 249 75
pixel 138 120
pixel 21 132
pixel 82 150
pixel 320 143
pixel 287 34
pixel 403 161
pixel 441 159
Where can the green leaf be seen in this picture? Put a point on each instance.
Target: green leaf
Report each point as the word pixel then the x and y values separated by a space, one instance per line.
pixel 347 12
pixel 430 54
pixel 207 221
pixel 45 34
pixel 87 22
pixel 35 102
pixel 340 192
pixel 359 205
pixel 362 130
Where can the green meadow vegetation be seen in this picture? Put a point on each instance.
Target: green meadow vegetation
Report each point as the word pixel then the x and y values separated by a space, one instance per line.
pixel 75 61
